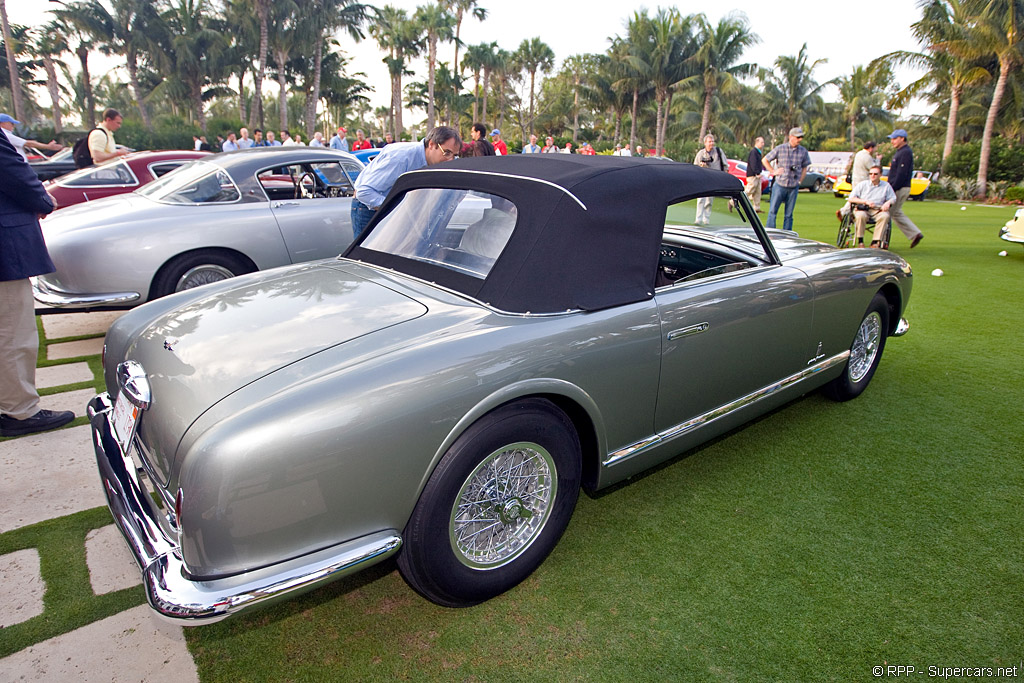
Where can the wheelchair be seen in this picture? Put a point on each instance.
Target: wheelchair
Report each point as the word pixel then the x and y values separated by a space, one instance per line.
pixel 847 235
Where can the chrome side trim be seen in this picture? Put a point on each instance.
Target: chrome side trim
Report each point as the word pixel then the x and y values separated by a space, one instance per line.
pixel 511 175
pixel 58 299
pixel 722 411
pixel 169 590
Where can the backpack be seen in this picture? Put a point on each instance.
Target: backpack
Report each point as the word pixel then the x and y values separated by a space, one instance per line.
pixel 80 152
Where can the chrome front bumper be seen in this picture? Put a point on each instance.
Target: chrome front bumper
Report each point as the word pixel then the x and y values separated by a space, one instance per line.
pixel 169 590
pixel 49 296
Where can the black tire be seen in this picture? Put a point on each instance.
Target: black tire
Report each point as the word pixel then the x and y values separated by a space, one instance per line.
pixel 197 268
pixel 444 556
pixel 865 353
pixel 816 186
pixel 843 235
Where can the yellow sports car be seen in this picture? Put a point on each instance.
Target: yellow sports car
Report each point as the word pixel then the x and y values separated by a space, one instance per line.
pixel 918 184
pixel 1013 231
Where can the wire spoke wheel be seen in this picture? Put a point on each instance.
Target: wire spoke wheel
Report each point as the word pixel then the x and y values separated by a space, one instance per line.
pixel 865 346
pixel 202 275
pixel 503 505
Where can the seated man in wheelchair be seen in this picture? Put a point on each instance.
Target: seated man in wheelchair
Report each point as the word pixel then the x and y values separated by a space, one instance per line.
pixel 871 200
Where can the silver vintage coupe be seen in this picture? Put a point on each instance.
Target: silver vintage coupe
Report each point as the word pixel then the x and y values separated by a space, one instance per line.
pixel 509 331
pixel 212 219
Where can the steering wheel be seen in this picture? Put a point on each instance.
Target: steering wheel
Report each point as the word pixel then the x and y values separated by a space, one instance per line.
pixel 311 190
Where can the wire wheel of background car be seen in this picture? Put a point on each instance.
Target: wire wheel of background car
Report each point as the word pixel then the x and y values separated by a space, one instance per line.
pixel 197 268
pixel 816 186
pixel 843 236
pixel 865 353
pixel 495 506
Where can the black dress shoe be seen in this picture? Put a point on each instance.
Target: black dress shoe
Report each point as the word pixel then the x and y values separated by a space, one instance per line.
pixel 40 422
pixel 917 239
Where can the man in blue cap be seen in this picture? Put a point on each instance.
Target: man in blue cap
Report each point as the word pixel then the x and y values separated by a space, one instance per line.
pixel 8 123
pixel 901 170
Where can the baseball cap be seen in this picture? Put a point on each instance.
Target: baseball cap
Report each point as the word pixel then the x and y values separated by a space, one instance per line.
pixel 798 132
pixel 495 132
pixel 343 129
pixel 7 118
pixel 898 133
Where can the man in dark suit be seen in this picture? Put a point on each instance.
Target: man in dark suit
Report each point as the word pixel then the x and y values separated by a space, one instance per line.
pixel 22 255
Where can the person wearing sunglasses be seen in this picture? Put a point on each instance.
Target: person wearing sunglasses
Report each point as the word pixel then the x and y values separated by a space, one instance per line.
pixel 375 181
pixel 872 198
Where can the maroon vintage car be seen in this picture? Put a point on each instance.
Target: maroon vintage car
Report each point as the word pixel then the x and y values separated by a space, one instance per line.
pixel 117 176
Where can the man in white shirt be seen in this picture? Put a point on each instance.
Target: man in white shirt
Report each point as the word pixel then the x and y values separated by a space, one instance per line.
pixel 318 140
pixel 230 145
pixel 8 123
pixel 244 141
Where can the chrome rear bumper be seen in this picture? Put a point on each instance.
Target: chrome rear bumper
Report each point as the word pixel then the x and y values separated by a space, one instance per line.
pixel 45 294
pixel 169 590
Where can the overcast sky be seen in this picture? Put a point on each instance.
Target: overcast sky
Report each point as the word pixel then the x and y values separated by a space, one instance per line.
pixel 845 36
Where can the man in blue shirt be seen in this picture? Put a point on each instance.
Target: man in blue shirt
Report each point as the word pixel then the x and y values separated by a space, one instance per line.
pixel 339 141
pixel 901 170
pixel 375 181
pixel 791 162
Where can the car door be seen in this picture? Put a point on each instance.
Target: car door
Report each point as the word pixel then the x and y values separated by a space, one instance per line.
pixel 317 224
pixel 730 330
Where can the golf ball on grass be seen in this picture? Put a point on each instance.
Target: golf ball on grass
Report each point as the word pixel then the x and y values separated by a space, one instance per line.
pixel 1002 253
pixel 963 208
pixel 938 272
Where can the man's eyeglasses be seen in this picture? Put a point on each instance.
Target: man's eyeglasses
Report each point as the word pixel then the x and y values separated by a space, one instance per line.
pixel 874 173
pixel 448 154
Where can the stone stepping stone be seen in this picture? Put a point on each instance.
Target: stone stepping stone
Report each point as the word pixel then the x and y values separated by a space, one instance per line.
pixel 47 475
pixel 131 646
pixel 58 375
pixel 68 400
pixel 75 349
pixel 111 565
pixel 21 587
pixel 58 325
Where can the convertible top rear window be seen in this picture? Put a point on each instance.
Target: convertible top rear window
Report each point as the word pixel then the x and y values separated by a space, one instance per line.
pixel 461 230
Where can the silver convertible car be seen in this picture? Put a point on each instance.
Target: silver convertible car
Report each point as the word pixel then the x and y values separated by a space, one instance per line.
pixel 209 220
pixel 508 331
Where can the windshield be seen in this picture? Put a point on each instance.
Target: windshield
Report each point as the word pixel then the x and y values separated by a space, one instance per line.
pixel 461 230
pixel 197 182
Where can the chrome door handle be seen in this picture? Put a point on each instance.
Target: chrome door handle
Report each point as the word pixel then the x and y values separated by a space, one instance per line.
pixel 687 331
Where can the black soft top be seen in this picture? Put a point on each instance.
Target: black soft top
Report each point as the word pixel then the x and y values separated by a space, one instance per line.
pixel 589 230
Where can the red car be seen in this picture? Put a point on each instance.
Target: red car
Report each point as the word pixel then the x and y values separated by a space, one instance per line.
pixel 117 176
pixel 738 169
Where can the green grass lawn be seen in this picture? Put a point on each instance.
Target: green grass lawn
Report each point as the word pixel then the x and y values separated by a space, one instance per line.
pixel 811 545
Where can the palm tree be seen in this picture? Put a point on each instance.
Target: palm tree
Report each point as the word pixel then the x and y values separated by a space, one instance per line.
pixel 635 71
pixel 474 60
pixel 999 30
pixel 329 16
pixel 12 64
pixel 494 59
pixel 502 65
pixel 944 29
pixel 76 21
pixel 262 10
pixel 436 23
pixel 47 45
pixel 533 55
pixel 398 35
pixel 459 8
pixel 863 96
pixel 195 44
pixel 792 90
pixel 721 47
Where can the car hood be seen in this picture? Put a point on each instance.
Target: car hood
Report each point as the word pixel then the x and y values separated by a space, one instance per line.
pixel 196 354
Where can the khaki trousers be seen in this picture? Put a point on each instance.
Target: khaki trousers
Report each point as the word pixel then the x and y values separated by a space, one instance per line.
pixel 19 349
pixel 752 189
pixel 860 220
pixel 900 219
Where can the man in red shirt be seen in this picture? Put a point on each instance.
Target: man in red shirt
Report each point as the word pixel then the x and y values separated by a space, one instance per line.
pixel 500 148
pixel 361 142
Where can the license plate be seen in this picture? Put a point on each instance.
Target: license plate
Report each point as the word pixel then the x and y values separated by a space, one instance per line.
pixel 126 414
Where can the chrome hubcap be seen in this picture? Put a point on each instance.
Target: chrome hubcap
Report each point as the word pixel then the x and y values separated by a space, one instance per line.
pixel 503 506
pixel 865 346
pixel 202 275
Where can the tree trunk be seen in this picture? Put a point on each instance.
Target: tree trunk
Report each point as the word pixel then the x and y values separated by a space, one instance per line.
pixel 396 104
pixel 90 102
pixel 476 93
pixel 659 97
pixel 256 111
pixel 314 99
pixel 575 109
pixel 133 79
pixel 632 127
pixel 990 124
pixel 532 76
pixel 54 90
pixel 241 95
pixel 706 116
pixel 954 109
pixel 853 133
pixel 197 104
pixel 487 89
pixel 618 127
pixel 282 84
pixel 12 65
pixel 431 64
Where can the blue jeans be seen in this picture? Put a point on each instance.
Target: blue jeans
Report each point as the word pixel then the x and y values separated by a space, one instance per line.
pixel 782 195
pixel 361 217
